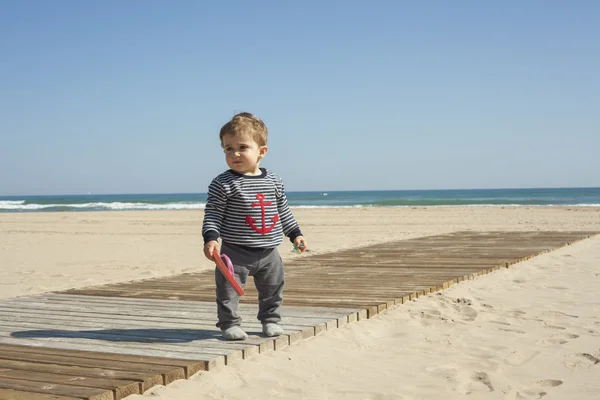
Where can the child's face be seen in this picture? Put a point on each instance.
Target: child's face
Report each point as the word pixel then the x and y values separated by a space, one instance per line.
pixel 243 154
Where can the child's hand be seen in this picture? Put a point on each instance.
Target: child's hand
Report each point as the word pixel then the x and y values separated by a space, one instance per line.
pixel 209 248
pixel 300 243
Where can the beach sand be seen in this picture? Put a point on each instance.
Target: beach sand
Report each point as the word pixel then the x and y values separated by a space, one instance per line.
pixel 531 331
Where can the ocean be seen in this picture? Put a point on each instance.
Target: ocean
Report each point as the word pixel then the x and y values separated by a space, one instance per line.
pixel 388 198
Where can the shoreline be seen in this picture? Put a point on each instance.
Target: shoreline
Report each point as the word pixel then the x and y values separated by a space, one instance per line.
pixel 301 207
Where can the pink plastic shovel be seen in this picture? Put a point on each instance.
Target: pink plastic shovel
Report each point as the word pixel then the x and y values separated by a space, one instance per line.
pixel 227 271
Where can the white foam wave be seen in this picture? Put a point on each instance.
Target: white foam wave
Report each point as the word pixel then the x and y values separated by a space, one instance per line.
pixel 101 206
pixel 451 205
pixel 147 206
pixel 7 203
pixel 19 205
pixel 351 206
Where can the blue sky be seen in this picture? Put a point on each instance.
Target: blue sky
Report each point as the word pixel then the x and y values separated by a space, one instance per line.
pixel 128 96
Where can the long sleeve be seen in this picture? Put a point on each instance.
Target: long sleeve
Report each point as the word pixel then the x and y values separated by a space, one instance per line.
pixel 288 222
pixel 214 211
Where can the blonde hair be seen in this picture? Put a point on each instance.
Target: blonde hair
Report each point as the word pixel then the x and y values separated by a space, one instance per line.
pixel 246 122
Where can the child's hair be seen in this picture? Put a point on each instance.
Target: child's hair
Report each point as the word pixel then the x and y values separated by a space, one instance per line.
pixel 246 122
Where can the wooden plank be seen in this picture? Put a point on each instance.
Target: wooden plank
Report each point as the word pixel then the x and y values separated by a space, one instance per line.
pixel 168 373
pixel 131 318
pixel 120 388
pixel 56 389
pixel 132 311
pixel 133 315
pixel 247 345
pixel 190 367
pixel 120 331
pixel 9 394
pixel 16 325
pixel 184 350
pixel 297 301
pixel 248 310
pixel 178 331
pixel 172 334
pixel 68 342
pixel 211 360
pixel 142 380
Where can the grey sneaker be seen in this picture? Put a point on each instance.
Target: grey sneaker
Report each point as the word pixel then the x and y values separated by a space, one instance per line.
pixel 235 333
pixel 271 329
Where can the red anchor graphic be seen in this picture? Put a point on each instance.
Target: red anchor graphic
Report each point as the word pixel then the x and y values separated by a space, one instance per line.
pixel 262 203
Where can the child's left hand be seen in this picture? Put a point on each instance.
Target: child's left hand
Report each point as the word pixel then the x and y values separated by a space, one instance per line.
pixel 300 243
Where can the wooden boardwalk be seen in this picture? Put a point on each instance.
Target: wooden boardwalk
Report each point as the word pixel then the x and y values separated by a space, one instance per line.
pixel 107 342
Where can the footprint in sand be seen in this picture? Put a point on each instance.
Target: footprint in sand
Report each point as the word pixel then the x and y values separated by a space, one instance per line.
pixel 462 307
pixel 530 394
pixel 535 392
pixel 521 357
pixel 559 314
pixel 366 395
pixel 462 300
pixel 428 315
pixel 562 328
pixel 469 313
pixel 483 379
pixel 582 360
pixel 553 341
pixel 511 330
pixel 468 382
pixel 549 383
pixel 534 319
pixel 547 325
pixel 559 338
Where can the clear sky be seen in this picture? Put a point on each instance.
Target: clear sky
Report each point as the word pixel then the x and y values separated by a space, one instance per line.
pixel 128 96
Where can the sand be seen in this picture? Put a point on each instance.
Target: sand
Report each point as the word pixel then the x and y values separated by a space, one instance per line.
pixel 531 331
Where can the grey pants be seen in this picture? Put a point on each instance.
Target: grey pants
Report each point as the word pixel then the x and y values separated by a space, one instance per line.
pixel 266 267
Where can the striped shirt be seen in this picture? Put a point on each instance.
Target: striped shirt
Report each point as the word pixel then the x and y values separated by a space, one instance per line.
pixel 248 210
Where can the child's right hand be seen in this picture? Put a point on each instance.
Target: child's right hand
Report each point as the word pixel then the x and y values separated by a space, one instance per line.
pixel 209 248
